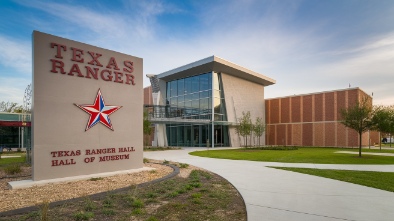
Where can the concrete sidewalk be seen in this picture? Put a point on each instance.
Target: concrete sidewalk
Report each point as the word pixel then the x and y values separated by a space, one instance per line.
pixel 272 194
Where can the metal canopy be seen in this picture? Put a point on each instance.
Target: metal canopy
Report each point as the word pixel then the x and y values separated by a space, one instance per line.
pixel 219 65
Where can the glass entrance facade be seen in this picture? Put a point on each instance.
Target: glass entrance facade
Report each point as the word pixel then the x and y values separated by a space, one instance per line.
pixel 198 98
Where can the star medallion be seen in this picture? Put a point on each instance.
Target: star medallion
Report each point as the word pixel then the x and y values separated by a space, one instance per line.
pixel 99 112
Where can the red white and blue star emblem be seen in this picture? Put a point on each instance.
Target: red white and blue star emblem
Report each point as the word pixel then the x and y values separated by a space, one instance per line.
pixel 99 112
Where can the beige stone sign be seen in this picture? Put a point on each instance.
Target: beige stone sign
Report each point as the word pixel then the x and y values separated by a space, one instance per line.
pixel 87 109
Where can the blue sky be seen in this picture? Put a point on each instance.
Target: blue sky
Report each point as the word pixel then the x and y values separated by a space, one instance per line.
pixel 307 46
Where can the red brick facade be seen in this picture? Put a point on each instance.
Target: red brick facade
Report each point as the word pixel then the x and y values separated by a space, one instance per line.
pixel 148 95
pixel 313 120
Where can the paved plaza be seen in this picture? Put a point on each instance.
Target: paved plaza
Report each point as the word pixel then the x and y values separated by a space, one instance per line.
pixel 277 195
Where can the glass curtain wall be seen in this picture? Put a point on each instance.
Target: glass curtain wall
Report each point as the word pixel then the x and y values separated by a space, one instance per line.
pixel 198 97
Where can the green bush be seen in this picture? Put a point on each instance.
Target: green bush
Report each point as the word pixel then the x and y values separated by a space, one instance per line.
pixel 137 203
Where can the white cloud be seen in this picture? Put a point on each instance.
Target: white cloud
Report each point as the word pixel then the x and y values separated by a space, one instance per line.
pixel 13 89
pixel 15 54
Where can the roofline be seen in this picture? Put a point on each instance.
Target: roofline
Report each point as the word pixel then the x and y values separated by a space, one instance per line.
pixel 321 92
pixel 214 63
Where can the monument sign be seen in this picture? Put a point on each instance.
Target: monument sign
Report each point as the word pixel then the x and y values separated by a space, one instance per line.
pixel 87 109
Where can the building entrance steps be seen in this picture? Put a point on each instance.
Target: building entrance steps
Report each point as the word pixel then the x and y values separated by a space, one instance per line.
pixel 272 194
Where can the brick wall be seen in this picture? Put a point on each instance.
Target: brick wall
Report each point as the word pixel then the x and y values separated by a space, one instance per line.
pixel 313 120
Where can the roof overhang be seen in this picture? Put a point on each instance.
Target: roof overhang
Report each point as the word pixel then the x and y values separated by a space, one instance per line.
pixel 215 64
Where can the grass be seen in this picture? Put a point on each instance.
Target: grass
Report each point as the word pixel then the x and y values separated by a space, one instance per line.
pixel 317 155
pixel 201 196
pixel 378 180
pixel 5 161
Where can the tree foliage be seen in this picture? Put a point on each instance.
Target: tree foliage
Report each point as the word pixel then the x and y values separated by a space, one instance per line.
pixel 383 119
pixel 10 107
pixel 245 126
pixel 259 128
pixel 359 117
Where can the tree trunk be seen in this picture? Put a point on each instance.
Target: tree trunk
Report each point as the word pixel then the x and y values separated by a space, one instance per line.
pixel 359 146
pixel 380 141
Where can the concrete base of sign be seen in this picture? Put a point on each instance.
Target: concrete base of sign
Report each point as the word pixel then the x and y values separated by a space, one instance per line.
pixel 29 183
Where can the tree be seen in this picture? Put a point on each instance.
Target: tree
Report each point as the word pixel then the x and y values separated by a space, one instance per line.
pixel 147 127
pixel 10 107
pixel 381 120
pixel 358 117
pixel 244 127
pixel 259 128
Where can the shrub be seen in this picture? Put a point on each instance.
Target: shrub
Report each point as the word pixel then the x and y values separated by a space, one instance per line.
pixel 183 165
pixel 137 203
pixel 146 160
pixel 83 216
pixel 13 169
pixel 89 205
pixel 108 212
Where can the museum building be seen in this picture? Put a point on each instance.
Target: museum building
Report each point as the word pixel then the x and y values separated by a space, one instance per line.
pixel 314 120
pixel 198 104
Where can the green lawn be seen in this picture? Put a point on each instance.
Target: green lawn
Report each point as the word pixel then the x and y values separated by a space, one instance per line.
pixel 317 155
pixel 5 161
pixel 379 180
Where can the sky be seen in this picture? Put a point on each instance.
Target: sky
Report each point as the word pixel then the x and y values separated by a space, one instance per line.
pixel 306 46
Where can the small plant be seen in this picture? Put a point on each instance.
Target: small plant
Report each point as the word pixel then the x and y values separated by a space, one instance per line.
pixel 166 162
pixel 44 208
pixel 146 160
pixel 137 203
pixel 196 201
pixel 89 205
pixel 196 184
pixel 108 212
pixel 108 203
pixel 83 216
pixel 183 165
pixel 151 195
pixel 196 195
pixel 152 171
pixel 188 187
pixel 137 211
pixel 12 169
pixel 96 178
pixel 173 194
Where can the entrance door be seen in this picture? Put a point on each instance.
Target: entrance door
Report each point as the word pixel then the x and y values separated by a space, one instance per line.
pixel 196 136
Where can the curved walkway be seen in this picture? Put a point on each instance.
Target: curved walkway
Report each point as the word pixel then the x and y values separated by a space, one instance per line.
pixel 274 195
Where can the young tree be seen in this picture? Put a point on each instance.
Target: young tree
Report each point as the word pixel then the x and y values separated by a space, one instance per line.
pixel 244 127
pixel 381 120
pixel 358 117
pixel 259 128
pixel 147 127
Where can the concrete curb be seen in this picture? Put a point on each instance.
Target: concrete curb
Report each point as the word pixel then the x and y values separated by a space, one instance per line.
pixel 93 196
